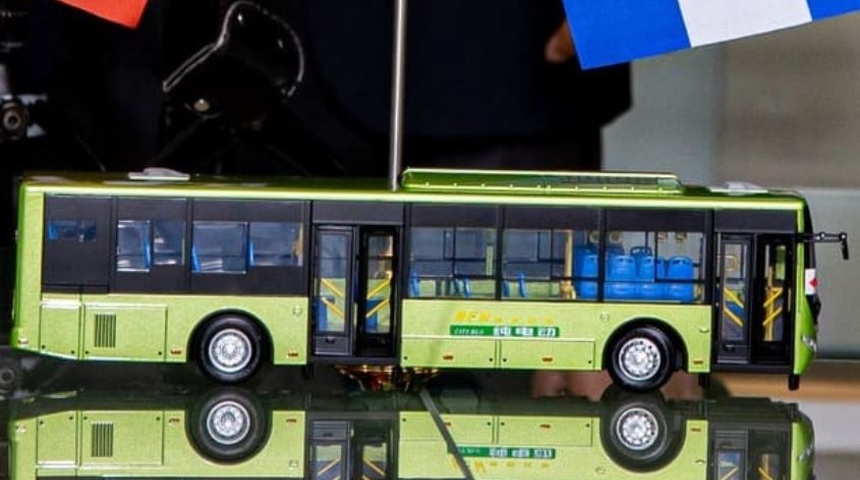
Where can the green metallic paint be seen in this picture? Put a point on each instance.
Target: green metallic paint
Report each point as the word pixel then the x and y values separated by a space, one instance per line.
pixel 145 444
pixel 578 346
pixel 584 329
pixel 575 443
pixel 159 328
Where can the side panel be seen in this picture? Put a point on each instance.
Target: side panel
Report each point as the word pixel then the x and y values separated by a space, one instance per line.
pixel 28 274
pixel 448 333
pixel 60 326
pixel 127 331
pixel 159 327
pixel 516 451
pixel 131 439
pixel 57 439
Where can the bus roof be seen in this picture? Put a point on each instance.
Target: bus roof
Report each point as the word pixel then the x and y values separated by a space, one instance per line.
pixel 430 185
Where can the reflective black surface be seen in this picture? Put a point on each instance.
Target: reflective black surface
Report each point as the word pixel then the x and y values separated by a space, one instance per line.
pixel 144 421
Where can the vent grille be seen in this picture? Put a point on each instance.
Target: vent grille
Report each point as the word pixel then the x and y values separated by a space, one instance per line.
pixel 102 439
pixel 105 334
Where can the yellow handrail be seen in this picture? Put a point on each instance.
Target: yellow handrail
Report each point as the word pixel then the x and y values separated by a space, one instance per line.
pixel 334 308
pixel 334 288
pixel 377 308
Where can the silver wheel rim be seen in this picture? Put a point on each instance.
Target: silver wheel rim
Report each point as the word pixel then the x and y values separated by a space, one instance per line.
pixel 228 423
pixel 230 350
pixel 639 358
pixel 637 429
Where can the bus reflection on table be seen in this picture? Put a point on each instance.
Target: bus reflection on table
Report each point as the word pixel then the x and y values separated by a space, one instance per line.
pixel 230 433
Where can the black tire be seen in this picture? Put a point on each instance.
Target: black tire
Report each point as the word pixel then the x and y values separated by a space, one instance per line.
pixel 228 426
pixel 641 359
pixel 230 349
pixel 10 376
pixel 640 434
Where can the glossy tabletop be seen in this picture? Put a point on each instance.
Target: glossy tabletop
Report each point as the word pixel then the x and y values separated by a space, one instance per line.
pixel 134 421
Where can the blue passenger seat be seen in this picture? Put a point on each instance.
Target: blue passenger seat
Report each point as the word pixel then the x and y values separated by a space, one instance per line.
pixel 587 289
pixel 621 278
pixel 680 268
pixel 651 269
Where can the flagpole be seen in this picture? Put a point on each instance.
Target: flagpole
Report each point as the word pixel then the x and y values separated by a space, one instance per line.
pixel 398 75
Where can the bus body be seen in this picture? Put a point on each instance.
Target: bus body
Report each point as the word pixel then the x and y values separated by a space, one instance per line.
pixel 631 273
pixel 232 434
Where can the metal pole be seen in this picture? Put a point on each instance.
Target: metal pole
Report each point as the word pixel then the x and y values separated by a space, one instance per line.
pixel 398 75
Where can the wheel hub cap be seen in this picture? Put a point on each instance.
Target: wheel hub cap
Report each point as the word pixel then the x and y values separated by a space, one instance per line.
pixel 640 358
pixel 228 423
pixel 230 350
pixel 637 429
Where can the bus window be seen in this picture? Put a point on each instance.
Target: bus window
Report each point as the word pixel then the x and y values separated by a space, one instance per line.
pixel 218 247
pixel 453 262
pixel 168 241
pixel 72 230
pixel 133 249
pixel 540 264
pixel 649 266
pixel 275 244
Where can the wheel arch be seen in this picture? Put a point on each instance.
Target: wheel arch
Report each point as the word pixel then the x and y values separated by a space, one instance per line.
pixel 193 347
pixel 679 347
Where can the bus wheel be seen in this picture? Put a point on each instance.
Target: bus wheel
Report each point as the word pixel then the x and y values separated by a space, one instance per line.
pixel 228 426
pixel 641 359
pixel 640 434
pixel 230 349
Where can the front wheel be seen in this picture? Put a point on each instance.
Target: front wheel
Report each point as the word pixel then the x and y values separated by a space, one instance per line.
pixel 641 359
pixel 640 433
pixel 228 426
pixel 230 349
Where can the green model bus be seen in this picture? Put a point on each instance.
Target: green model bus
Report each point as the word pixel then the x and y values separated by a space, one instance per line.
pixel 231 434
pixel 631 273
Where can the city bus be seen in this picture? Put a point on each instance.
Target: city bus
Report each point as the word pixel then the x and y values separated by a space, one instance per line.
pixel 636 274
pixel 230 433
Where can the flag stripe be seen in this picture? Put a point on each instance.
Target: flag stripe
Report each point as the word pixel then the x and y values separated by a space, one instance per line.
pixel 624 29
pixel 830 8
pixel 614 31
pixel 123 12
pixel 713 21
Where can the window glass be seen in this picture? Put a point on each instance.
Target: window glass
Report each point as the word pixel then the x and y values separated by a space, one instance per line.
pixel 275 244
pixel 541 264
pixel 168 242
pixel 654 266
pixel 452 262
pixel 74 230
pixel 219 247
pixel 133 250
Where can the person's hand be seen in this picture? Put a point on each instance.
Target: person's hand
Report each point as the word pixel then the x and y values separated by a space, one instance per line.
pixel 559 47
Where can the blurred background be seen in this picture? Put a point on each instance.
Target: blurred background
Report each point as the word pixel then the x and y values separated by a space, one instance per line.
pixel 781 109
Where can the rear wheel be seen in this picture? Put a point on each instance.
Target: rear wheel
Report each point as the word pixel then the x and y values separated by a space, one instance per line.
pixel 641 359
pixel 230 348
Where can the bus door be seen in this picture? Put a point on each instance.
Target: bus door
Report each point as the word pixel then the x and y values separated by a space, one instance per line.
pixel 348 448
pixel 774 274
pixel 753 292
pixel 353 287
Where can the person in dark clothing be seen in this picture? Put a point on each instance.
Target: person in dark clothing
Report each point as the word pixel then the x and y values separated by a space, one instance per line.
pixel 482 88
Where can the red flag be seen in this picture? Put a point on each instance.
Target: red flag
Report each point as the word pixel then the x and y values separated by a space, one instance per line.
pixel 124 12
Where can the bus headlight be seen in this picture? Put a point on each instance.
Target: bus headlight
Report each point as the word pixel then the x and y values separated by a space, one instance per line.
pixel 810 343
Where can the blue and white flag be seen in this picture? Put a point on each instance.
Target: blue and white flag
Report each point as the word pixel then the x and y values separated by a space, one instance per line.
pixel 615 31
